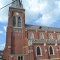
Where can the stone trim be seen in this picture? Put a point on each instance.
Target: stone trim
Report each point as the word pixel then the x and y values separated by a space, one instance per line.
pixel 49 50
pixel 45 41
pixel 40 50
pixel 17 54
pixel 25 47
pixel 16 9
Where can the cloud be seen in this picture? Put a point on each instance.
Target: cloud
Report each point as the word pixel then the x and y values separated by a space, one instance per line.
pixel 5 28
pixel 4 11
pixel 3 19
pixel 46 20
pixel 2 46
pixel 58 3
pixel 1 5
pixel 49 9
pixel 1 32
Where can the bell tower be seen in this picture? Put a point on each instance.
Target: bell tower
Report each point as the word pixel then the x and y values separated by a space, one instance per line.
pixel 15 31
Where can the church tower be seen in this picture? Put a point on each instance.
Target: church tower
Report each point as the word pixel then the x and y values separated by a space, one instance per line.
pixel 15 32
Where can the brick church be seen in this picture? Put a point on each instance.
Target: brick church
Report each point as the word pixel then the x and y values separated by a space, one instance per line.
pixel 29 42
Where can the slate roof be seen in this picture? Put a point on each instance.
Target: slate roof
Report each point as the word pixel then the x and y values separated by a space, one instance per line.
pixel 43 28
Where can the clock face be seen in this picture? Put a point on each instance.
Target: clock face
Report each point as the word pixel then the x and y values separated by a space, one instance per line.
pixel 17 13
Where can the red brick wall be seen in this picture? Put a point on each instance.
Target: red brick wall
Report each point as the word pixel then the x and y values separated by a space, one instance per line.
pixel 18 42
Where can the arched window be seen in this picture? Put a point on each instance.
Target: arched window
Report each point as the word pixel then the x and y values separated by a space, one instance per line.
pixel 14 21
pixel 58 36
pixel 19 22
pixel 41 35
pixel 39 51
pixel 51 50
pixel 50 36
pixel 31 36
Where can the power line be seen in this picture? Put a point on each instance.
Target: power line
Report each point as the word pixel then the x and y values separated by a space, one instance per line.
pixel 7 5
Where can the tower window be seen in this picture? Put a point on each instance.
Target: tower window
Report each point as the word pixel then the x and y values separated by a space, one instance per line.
pixel 20 57
pixel 14 21
pixel 51 50
pixel 19 22
pixel 41 35
pixel 39 51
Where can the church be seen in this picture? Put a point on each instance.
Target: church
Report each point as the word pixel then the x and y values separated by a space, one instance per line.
pixel 29 42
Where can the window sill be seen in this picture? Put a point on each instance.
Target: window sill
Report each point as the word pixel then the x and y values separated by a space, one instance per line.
pixel 52 54
pixel 39 55
pixel 17 27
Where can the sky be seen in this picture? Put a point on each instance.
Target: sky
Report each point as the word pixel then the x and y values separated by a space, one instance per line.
pixel 37 12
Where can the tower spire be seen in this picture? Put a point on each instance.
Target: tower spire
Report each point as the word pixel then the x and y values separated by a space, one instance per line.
pixel 20 0
pixel 17 4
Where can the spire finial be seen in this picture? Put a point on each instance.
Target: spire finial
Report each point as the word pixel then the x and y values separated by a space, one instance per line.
pixel 17 4
pixel 21 0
